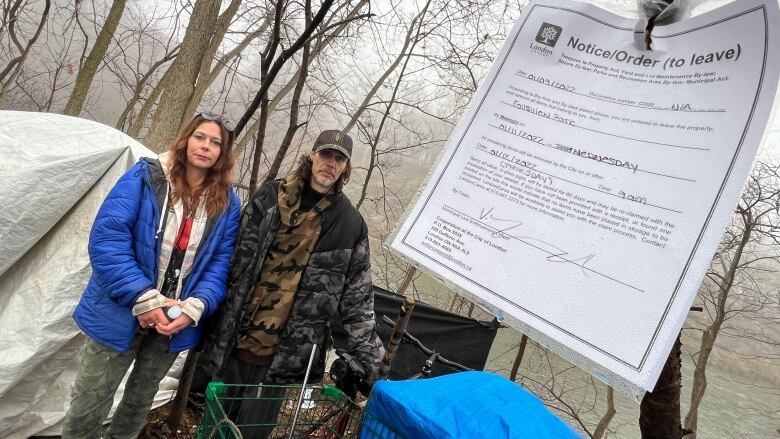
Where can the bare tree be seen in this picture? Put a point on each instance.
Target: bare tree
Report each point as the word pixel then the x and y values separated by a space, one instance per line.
pixel 319 44
pixel 411 38
pixel 659 412
pixel 178 84
pixel 293 125
pixel 736 285
pixel 410 43
pixel 40 83
pixel 11 20
pixel 95 58
pixel 270 67
pixel 567 390
pixel 436 20
pixel 209 74
pixel 141 83
pixel 601 427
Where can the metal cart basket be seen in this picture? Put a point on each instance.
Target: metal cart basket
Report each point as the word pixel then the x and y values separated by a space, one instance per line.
pixel 321 412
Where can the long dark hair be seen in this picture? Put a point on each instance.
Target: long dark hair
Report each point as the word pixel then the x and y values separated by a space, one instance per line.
pixel 304 172
pixel 219 177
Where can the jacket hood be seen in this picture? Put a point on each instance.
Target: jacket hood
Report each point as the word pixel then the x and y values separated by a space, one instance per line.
pixel 166 162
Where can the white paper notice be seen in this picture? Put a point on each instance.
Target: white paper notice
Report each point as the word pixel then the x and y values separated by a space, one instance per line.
pixel 582 196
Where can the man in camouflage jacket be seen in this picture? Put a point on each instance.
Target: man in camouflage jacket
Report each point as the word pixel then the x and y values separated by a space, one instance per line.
pixel 326 275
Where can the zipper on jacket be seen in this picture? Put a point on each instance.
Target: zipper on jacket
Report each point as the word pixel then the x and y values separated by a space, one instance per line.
pixel 147 178
pixel 164 211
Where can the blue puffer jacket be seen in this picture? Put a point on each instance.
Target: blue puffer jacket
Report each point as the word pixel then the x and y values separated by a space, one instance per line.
pixel 124 247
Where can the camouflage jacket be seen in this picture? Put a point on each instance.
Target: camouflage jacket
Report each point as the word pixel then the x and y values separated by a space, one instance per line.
pixel 336 284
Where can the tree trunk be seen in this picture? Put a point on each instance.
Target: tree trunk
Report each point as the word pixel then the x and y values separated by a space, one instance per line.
pixel 268 74
pixel 96 55
pixel 259 143
pixel 370 171
pixel 204 76
pixel 659 412
pixel 518 358
pixel 205 81
pixel 321 44
pixel 699 382
pixel 15 65
pixel 294 107
pixel 139 87
pixel 601 428
pixel 268 55
pixel 709 336
pixel 182 392
pixel 284 56
pixel 146 108
pixel 184 74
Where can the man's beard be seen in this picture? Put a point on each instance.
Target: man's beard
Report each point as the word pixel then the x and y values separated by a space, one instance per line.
pixel 324 181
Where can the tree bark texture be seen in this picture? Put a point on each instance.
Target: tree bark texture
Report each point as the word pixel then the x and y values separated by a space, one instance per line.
pixel 96 55
pixel 180 86
pixel 659 412
pixel 204 77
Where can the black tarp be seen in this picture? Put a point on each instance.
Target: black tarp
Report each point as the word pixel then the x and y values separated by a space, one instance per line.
pixel 461 339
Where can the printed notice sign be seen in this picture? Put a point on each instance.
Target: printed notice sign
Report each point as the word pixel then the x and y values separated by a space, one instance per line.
pixel 583 194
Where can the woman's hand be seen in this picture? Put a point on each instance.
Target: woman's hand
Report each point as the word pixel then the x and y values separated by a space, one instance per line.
pixel 153 318
pixel 171 328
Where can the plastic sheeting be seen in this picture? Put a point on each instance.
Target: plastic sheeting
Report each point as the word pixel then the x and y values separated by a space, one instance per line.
pixel 54 173
pixel 458 338
pixel 462 406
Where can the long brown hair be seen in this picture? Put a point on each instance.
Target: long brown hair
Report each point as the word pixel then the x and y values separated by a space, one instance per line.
pixel 304 172
pixel 218 179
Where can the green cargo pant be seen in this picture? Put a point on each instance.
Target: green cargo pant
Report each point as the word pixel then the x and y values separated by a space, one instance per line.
pixel 99 376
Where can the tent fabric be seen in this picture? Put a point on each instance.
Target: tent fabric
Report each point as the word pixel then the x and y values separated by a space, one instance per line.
pixel 462 405
pixel 55 172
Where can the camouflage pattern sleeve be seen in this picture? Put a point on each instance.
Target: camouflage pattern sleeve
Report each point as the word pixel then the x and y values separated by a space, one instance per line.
pixel 220 334
pixel 357 308
pixel 249 234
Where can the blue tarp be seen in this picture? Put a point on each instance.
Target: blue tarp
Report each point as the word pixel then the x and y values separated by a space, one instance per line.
pixel 464 405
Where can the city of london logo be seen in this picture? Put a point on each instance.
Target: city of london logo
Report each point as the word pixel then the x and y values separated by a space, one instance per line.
pixel 548 34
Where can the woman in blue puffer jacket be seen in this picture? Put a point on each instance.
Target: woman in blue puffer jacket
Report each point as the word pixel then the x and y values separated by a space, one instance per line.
pixel 160 250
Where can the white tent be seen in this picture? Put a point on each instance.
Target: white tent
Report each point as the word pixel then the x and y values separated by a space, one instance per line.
pixel 54 173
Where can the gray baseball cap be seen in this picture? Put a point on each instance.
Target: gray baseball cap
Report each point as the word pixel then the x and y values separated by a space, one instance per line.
pixel 334 139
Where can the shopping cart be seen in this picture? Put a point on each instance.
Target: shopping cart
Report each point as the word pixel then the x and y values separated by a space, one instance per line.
pixel 321 412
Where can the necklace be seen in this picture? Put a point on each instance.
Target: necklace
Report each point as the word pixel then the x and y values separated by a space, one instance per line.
pixel 190 206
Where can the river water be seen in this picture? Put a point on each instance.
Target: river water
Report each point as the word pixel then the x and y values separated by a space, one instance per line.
pixel 741 400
